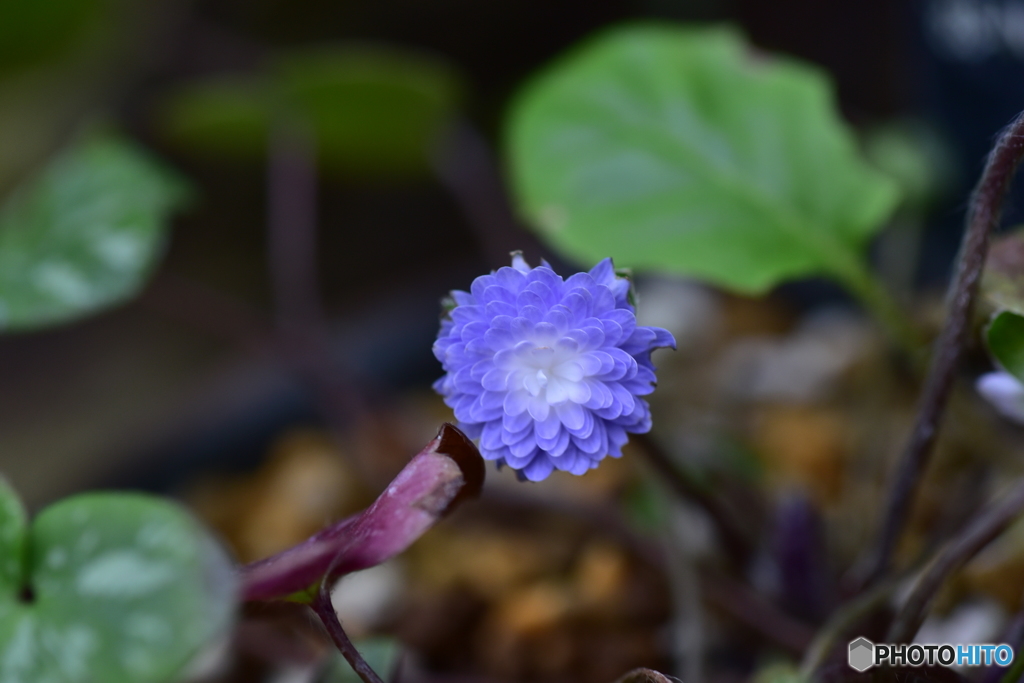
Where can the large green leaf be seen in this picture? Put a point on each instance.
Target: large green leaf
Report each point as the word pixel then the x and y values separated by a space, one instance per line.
pixel 681 150
pixel 31 31
pixel 118 588
pixel 83 234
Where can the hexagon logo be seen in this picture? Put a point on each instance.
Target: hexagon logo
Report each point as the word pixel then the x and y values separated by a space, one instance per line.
pixel 862 654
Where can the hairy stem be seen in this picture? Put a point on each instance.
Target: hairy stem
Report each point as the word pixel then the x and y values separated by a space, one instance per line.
pixel 325 610
pixel 980 532
pixel 982 218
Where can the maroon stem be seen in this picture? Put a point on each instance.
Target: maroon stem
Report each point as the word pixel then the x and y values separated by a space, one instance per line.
pixel 982 218
pixel 748 607
pixel 292 220
pixel 989 524
pixel 325 610
pixel 301 323
pixel 466 167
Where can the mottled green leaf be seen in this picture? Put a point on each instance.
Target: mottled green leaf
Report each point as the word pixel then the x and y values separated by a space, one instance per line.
pixel 119 588
pixel 83 234
pixel 1005 337
pixel 12 539
pixel 681 150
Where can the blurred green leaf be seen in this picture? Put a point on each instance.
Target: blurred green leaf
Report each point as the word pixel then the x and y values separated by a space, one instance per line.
pixel 32 30
pixel 84 234
pixel 1005 337
pixel 646 506
pixel 224 116
pixel 779 672
pixel 124 588
pixel 680 150
pixel 914 156
pixel 371 111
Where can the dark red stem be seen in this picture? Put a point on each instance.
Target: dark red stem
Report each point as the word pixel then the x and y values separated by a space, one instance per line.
pixel 325 610
pixel 988 525
pixel 982 218
pixel 302 328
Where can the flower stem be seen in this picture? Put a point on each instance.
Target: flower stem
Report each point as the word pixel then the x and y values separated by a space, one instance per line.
pixel 1014 637
pixel 1014 673
pixel 325 610
pixel 985 527
pixel 982 218
pixel 302 328
pixel 840 623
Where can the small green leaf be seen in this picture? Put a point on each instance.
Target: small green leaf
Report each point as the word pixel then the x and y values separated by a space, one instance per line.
pixel 681 150
pixel 1005 337
pixel 84 234
pixel 372 110
pixel 31 31
pixel 119 588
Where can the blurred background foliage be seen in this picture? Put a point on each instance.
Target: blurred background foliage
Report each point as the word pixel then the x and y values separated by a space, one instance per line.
pixel 181 133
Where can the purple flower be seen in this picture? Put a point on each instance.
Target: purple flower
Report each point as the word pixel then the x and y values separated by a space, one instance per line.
pixel 547 373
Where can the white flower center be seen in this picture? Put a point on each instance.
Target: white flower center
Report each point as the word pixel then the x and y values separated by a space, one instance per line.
pixel 550 374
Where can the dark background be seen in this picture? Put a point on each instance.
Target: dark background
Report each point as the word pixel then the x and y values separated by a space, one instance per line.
pixel 143 394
